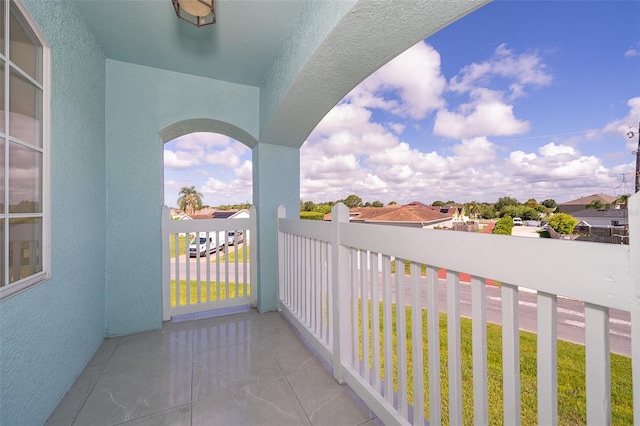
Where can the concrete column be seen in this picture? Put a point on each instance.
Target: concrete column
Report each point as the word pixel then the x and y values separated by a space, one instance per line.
pixel 276 180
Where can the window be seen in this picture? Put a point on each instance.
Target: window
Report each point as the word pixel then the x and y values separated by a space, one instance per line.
pixel 24 108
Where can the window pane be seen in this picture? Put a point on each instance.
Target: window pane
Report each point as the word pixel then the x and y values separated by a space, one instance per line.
pixel 24 50
pixel 1 175
pixel 25 247
pixel 25 182
pixel 2 26
pixel 2 129
pixel 25 106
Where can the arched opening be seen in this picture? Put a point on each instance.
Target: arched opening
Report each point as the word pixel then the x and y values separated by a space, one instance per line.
pixel 513 111
pixel 212 156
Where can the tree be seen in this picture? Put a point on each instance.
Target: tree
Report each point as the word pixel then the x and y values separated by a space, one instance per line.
pixel 307 206
pixel 190 200
pixel 563 223
pixel 391 203
pixel 377 203
pixel 352 201
pixel 438 203
pixel 595 204
pixel 623 199
pixel 506 201
pixel 531 202
pixel 550 204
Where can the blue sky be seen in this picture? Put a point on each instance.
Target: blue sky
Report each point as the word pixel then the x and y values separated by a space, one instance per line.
pixel 521 99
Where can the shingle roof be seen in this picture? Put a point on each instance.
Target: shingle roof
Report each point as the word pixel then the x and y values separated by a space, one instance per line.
pixel 606 199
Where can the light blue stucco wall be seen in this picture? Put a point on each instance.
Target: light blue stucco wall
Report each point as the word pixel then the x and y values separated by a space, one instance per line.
pixel 49 332
pixel 276 181
pixel 142 101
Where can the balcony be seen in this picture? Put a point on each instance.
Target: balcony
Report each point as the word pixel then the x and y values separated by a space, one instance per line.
pixel 319 361
pixel 245 368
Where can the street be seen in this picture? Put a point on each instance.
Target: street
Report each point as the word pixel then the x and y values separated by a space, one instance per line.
pixel 570 316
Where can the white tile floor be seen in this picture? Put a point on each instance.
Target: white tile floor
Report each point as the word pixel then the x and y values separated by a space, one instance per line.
pixel 242 369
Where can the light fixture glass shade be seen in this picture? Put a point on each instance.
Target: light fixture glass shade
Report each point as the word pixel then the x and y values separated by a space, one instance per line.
pixel 197 12
pixel 194 7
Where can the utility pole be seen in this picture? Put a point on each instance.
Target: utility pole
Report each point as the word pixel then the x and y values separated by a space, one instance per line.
pixel 637 153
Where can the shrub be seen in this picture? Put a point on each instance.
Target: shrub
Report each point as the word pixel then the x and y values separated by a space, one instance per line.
pixel 311 215
pixel 504 226
pixel 563 223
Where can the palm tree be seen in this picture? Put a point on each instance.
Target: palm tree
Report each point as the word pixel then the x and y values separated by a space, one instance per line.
pixel 190 200
pixel 623 200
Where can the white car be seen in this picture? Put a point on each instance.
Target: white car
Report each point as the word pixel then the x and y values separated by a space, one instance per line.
pixel 199 245
pixel 517 221
pixel 235 237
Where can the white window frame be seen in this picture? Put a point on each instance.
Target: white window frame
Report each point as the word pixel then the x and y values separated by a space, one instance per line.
pixel 18 286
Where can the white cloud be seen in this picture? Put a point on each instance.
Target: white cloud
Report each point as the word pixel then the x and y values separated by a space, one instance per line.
pixel 179 160
pixel 552 149
pixel 413 77
pixel 525 69
pixel 629 122
pixel 486 115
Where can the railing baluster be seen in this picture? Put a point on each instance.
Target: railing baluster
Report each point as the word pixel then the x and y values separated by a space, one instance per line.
pixel 598 369
pixel 375 316
pixel 510 354
pixel 433 334
pixel 176 242
pixel 479 337
pixel 387 327
pixel 218 284
pixel 416 345
pixel 454 356
pixel 187 268
pixel 355 332
pixel 547 358
pixel 401 340
pixel 364 304
pixel 208 272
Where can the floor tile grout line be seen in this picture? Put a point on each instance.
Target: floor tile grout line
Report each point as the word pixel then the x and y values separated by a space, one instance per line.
pixel 99 375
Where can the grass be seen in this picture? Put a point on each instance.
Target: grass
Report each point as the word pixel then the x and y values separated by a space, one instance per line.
pixel 182 246
pixel 235 290
pixel 240 255
pixel 571 375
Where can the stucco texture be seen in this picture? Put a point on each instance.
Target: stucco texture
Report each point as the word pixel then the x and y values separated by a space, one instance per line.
pixel 141 102
pixel 48 333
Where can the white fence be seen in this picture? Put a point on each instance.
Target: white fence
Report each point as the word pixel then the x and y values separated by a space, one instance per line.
pixel 205 279
pixel 331 299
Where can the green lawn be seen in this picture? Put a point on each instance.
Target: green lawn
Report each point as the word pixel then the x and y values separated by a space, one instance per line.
pixel 571 375
pixel 239 253
pixel 182 245
pixel 234 288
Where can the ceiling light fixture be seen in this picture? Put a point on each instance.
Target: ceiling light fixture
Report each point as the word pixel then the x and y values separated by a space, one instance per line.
pixel 196 12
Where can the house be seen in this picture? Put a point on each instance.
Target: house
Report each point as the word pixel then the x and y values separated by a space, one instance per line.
pixel 414 215
pixel 101 86
pixel 581 203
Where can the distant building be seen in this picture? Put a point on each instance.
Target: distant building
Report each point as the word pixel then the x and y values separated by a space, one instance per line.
pixel 581 203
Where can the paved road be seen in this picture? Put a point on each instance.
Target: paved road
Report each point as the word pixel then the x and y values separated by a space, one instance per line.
pixel 570 316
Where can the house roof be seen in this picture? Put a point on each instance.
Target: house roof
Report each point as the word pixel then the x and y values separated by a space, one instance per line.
pixel 604 198
pixel 394 213
pixel 601 213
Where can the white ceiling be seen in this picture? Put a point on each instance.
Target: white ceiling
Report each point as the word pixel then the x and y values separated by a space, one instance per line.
pixel 240 48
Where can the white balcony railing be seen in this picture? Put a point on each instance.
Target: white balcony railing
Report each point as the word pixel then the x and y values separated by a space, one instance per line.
pixel 201 276
pixel 339 281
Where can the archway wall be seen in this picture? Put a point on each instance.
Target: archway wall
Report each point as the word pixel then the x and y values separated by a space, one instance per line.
pixel 335 47
pixel 144 107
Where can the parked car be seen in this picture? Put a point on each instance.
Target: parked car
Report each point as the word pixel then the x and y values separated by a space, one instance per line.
pixel 199 244
pixel 234 237
pixel 517 221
